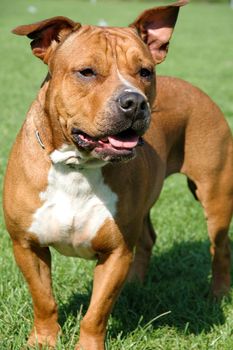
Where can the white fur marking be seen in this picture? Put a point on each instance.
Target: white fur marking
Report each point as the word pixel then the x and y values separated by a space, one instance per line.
pixel 131 87
pixel 75 206
pixel 67 154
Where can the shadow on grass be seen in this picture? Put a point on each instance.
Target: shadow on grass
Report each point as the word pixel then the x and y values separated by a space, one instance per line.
pixel 177 284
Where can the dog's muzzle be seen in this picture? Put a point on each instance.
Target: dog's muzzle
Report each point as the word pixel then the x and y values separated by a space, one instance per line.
pixel 130 117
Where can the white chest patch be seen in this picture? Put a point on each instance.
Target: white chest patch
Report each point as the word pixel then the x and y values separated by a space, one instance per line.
pixel 75 205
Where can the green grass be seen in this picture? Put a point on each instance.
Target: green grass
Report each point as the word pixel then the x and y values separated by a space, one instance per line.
pixel 171 311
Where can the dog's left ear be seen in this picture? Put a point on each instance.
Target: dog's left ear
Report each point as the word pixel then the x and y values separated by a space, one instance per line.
pixel 47 34
pixel 156 25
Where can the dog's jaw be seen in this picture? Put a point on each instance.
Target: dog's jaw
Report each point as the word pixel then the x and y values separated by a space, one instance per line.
pixel 114 148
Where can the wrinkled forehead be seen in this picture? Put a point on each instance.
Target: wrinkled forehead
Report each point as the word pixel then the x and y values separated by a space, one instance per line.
pixel 108 44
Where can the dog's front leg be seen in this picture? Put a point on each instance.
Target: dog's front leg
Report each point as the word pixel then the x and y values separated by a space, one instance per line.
pixel 35 264
pixel 110 273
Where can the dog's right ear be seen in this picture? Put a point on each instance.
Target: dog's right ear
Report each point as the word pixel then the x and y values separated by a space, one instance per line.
pixel 47 34
pixel 155 26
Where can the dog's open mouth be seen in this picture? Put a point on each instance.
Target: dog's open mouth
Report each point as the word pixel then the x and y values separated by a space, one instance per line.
pixel 120 145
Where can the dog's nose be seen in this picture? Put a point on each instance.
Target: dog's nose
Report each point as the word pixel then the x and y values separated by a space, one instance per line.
pixel 132 104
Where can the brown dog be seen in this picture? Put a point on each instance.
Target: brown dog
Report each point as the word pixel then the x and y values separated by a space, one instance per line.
pixel 68 184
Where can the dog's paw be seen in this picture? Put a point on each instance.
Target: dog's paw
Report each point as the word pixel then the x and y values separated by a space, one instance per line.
pixel 220 289
pixel 43 338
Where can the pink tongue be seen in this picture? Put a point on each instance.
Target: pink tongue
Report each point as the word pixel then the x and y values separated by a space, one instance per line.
pixel 120 143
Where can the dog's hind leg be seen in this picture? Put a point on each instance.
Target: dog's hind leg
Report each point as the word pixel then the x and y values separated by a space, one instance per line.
pixel 143 251
pixel 217 201
pixel 208 163
pixel 213 186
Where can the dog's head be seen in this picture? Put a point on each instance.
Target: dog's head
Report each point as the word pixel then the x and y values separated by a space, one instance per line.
pixel 102 79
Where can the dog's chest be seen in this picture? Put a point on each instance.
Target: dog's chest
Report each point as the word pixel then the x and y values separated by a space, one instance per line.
pixel 75 206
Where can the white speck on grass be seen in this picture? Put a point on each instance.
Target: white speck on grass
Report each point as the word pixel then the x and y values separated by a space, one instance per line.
pixel 102 23
pixel 32 9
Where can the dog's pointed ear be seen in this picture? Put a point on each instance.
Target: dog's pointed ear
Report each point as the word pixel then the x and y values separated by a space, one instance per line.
pixel 46 34
pixel 156 25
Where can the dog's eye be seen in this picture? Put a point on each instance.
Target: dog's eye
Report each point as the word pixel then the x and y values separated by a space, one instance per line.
pixel 87 73
pixel 145 73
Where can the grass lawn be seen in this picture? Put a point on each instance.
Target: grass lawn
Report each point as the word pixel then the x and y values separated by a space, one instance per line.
pixel 171 311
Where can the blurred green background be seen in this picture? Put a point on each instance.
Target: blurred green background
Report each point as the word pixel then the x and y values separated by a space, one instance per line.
pixel 171 311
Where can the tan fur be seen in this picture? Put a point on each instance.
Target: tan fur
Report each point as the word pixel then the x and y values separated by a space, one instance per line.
pixel 187 134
